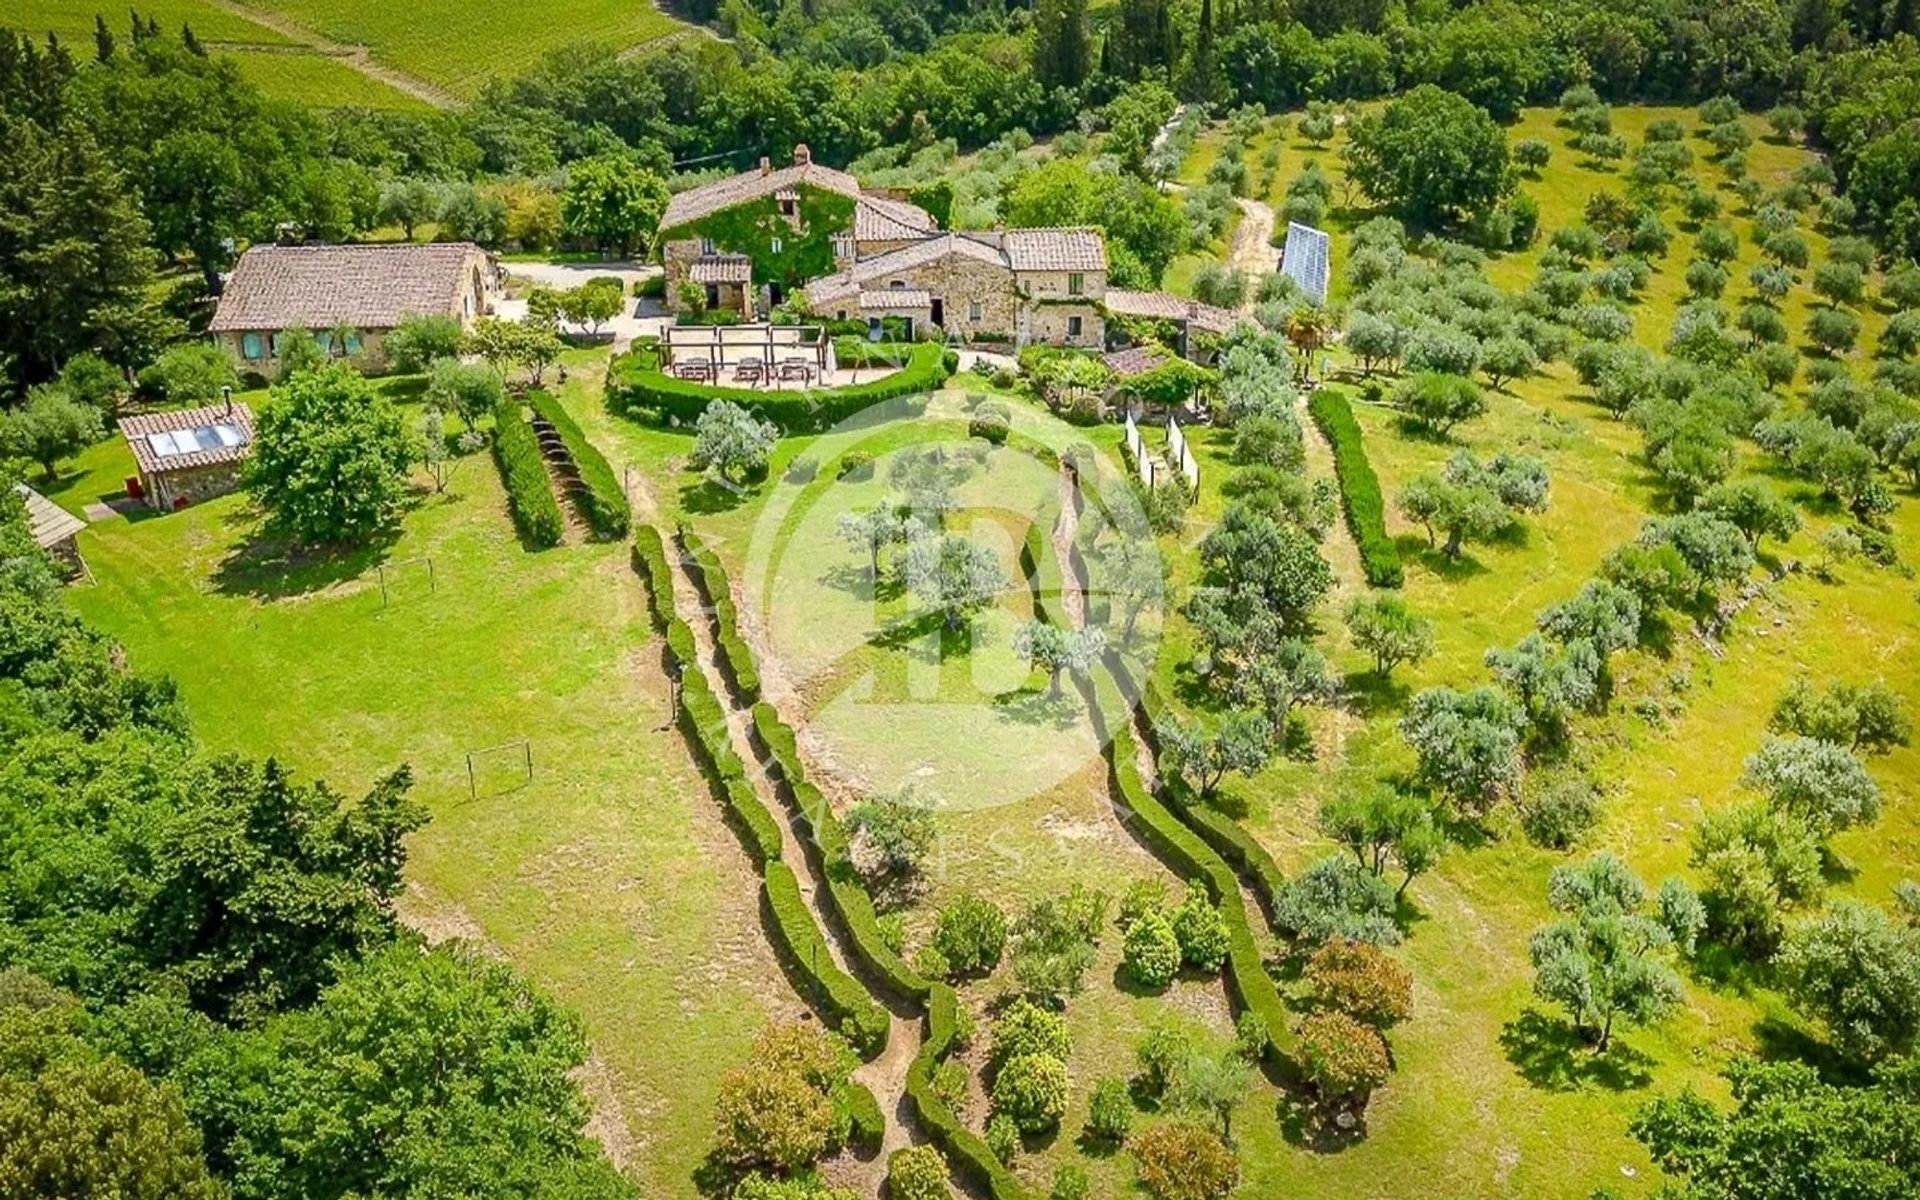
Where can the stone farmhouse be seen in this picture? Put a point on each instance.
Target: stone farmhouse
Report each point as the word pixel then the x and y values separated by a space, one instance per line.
pixel 347 298
pixel 810 234
pixel 186 455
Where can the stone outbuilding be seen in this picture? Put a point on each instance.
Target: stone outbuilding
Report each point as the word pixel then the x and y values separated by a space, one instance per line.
pixel 188 455
pixel 347 298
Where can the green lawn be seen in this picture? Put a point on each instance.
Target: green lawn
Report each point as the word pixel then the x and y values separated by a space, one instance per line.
pixel 460 46
pixel 609 877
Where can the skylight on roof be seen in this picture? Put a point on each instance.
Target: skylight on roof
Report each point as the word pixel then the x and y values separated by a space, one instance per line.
pixel 174 442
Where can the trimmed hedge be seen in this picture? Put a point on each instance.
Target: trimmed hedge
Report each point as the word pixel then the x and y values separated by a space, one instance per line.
pixel 604 504
pixel 712 580
pixel 635 381
pixel 966 1153
pixel 840 999
pixel 1359 488
pixel 1227 836
pixel 529 496
pixel 867 1128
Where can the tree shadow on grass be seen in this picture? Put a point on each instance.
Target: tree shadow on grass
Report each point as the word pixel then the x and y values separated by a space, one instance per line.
pixel 1549 1054
pixel 709 496
pixel 1036 708
pixel 1314 1126
pixel 269 568
pixel 1414 547
pixel 909 631
pixel 856 580
pixel 1375 693
pixel 1782 1041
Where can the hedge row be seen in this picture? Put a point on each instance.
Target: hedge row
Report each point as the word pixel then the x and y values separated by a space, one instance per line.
pixel 712 580
pixel 868 1127
pixel 529 496
pixel 634 381
pixel 1359 488
pixel 966 1153
pixel 1192 858
pixel 840 999
pixel 1227 836
pixel 604 504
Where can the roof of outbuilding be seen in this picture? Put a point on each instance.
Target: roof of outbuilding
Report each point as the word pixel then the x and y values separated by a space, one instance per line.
pixel 726 268
pixel 689 206
pixel 1164 306
pixel 1134 361
pixel 883 219
pixel 895 299
pixel 46 521
pixel 139 431
pixel 318 287
pixel 1055 249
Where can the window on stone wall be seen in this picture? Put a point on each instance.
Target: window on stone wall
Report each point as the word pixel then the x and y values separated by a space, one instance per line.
pixel 706 245
pixel 975 311
pixel 774 245
pixel 1074 282
pixel 1073 324
pixel 250 348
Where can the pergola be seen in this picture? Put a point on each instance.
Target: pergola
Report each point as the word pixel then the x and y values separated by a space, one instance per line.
pixel 802 352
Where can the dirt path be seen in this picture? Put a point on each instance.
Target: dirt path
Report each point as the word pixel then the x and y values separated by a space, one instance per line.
pixel 1252 252
pixel 886 1075
pixel 357 57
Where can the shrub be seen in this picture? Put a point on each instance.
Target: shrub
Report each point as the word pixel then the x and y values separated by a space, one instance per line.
pixel 1343 1058
pixel 855 464
pixel 420 339
pixel 971 934
pixel 1032 1090
pixel 524 472
pixel 866 1128
pixel 1360 495
pixel 1003 1138
pixel 1182 1161
pixel 990 422
pixel 1110 1111
pixel 1559 812
pixel 1200 930
pixel 1150 951
pixel 1362 982
pixel 1069 1183
pixel 1439 401
pixel 602 502
pixel 916 1173
pixel 1027 1029
pixel 1337 898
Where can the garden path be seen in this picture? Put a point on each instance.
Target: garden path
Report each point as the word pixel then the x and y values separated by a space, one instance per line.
pixel 1253 253
pixel 886 1075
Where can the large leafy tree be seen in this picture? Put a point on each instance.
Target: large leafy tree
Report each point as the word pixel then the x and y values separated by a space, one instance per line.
pixel 330 458
pixel 76 1122
pixel 437 1073
pixel 1791 1136
pixel 1858 972
pixel 613 202
pixel 1604 960
pixel 1144 228
pixel 1434 157
pixel 954 576
pixel 131 862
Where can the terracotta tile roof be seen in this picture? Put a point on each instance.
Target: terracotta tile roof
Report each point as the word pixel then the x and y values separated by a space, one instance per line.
pixel 689 206
pixel 728 268
pixel 1135 360
pixel 890 299
pixel 48 522
pixel 918 254
pixel 1163 306
pixel 318 287
pixel 140 432
pixel 882 219
pixel 1055 249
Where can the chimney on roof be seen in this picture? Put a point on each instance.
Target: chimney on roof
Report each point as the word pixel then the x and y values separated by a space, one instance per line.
pixel 766 165
pixel 226 393
pixel 801 155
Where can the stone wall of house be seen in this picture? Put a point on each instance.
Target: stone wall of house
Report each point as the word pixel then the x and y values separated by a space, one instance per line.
pixel 166 489
pixel 677 257
pixel 959 281
pixel 1054 285
pixel 371 358
pixel 1052 325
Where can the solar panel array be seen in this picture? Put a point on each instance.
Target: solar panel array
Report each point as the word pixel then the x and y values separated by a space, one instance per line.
pixel 186 441
pixel 1305 260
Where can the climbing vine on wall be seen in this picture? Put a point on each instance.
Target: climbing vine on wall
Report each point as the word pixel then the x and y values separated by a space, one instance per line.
pixel 806 247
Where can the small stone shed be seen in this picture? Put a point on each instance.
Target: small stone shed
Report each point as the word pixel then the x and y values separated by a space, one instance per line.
pixel 188 455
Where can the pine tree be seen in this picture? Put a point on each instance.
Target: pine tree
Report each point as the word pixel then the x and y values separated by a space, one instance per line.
pixel 1200 82
pixel 103 45
pixel 191 42
pixel 1062 50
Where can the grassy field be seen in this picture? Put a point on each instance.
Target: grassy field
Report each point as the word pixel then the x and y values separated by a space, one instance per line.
pixel 72 21
pixel 608 877
pixel 322 81
pixel 461 46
